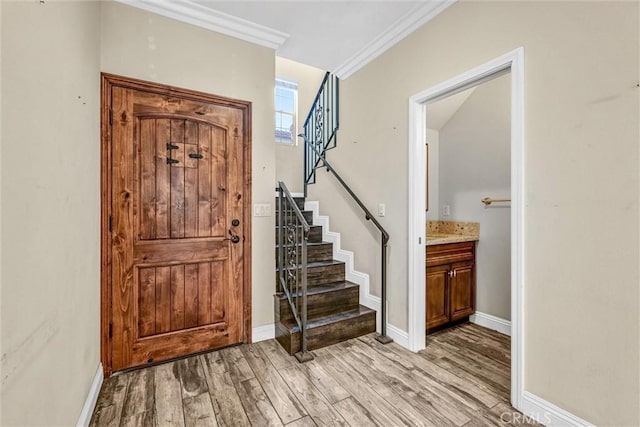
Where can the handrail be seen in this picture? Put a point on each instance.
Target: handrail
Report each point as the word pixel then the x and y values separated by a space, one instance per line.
pixel 383 338
pixel 315 100
pixel 292 264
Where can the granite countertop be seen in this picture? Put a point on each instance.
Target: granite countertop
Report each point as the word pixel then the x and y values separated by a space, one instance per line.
pixel 441 232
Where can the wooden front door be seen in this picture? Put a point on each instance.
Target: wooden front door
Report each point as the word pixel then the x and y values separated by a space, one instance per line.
pixel 177 196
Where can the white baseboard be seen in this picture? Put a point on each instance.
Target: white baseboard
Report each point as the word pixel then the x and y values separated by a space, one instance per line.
pixel 92 398
pixel 263 333
pixel 351 274
pixel 399 336
pixel 547 413
pixel 492 322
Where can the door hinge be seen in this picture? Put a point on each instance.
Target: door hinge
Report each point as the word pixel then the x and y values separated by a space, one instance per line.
pixel 110 223
pixel 110 330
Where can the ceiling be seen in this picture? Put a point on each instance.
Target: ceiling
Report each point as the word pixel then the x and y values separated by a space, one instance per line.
pixel 440 112
pixel 339 36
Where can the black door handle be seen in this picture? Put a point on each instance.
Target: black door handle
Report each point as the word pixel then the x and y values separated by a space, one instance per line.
pixel 235 222
pixel 234 237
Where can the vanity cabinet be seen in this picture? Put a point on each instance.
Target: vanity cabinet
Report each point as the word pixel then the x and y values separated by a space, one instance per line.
pixel 451 283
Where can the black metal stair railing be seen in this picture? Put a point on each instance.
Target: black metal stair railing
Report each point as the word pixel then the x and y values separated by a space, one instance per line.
pixel 319 134
pixel 293 235
pixel 320 127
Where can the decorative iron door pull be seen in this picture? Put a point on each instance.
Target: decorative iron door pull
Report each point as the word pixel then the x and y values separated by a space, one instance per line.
pixel 195 155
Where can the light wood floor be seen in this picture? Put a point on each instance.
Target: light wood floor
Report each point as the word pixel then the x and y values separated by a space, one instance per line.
pixel 461 379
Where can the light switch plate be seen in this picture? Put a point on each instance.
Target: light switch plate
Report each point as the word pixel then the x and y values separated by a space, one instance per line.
pixel 262 209
pixel 382 209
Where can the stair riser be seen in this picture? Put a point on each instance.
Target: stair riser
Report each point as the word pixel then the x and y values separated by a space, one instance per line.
pixel 299 201
pixel 321 275
pixel 289 217
pixel 315 253
pixel 315 234
pixel 327 334
pixel 319 305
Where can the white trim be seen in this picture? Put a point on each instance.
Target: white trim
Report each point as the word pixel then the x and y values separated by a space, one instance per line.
pixel 301 195
pixel 405 25
pixel 399 336
pixel 92 397
pixel 547 413
pixel 514 62
pixel 263 333
pixel 492 322
pixel 351 274
pixel 211 19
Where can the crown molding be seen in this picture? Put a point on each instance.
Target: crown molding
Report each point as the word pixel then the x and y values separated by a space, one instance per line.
pixel 201 16
pixel 400 29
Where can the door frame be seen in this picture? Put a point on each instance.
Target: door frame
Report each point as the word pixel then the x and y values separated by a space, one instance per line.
pixel 512 62
pixel 107 82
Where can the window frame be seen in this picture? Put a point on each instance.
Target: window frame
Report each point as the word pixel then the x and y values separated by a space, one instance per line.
pixel 291 86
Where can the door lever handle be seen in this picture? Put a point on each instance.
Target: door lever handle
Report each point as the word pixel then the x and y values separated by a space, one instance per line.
pixel 234 237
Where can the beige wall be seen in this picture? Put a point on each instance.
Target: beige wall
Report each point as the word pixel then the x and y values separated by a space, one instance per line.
pixel 1 352
pixel 475 163
pixel 50 209
pixel 581 128
pixel 52 55
pixel 289 158
pixel 143 45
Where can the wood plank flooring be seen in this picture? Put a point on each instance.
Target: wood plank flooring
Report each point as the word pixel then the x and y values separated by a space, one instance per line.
pixel 461 379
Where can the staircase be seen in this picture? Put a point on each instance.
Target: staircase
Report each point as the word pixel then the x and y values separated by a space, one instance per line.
pixel 333 310
pixel 314 305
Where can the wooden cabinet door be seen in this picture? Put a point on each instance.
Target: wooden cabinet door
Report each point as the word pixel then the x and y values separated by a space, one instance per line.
pixel 177 203
pixel 462 290
pixel 437 290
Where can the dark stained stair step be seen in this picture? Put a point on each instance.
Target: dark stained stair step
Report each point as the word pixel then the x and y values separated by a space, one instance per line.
pixel 320 273
pixel 322 301
pixel 299 201
pixel 290 217
pixel 316 251
pixel 327 330
pixel 315 233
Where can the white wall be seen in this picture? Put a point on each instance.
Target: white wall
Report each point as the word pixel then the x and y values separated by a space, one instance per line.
pixel 140 44
pixel 290 158
pixel 50 176
pixel 582 324
pixel 475 163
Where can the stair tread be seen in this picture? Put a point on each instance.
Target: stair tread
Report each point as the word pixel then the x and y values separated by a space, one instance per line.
pixel 327 287
pixel 292 326
pixel 321 263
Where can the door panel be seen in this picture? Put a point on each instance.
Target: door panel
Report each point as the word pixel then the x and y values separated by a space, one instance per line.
pixel 176 185
pixel 437 291
pixel 462 297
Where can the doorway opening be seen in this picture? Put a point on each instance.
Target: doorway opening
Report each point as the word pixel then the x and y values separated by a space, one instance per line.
pixel 509 66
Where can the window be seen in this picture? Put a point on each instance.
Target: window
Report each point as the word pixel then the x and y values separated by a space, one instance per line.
pixel 286 97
